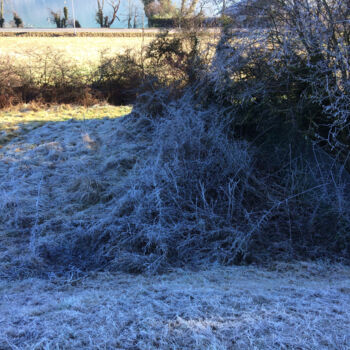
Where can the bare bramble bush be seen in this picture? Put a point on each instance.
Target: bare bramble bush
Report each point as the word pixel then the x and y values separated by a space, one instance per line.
pixel 168 63
pixel 285 87
pixel 45 76
pixel 9 81
pixel 245 165
pixel 170 189
pixel 48 76
pixel 119 78
pixel 294 70
pixel 176 60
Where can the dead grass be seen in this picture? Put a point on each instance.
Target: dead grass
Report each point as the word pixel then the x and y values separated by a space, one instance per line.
pixel 301 306
pixel 86 50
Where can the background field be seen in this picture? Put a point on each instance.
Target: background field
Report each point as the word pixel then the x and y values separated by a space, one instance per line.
pixel 85 50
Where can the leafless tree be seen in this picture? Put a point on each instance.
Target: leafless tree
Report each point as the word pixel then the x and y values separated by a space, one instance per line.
pixel 188 9
pixel 103 20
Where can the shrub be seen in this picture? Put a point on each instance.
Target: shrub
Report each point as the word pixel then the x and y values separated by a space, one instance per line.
pixel 9 83
pixel 45 76
pixel 176 61
pixel 168 63
pixel 61 22
pixel 190 195
pixel 119 78
pixel 295 72
pixel 17 20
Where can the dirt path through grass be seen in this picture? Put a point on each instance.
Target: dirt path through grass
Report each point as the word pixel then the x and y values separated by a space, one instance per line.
pixel 303 306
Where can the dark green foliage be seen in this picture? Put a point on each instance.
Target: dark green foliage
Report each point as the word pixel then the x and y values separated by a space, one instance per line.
pixel 160 9
pixel 100 19
pixel 2 19
pixel 161 22
pixel 18 20
pixel 146 4
pixel 65 15
pixel 56 18
pixel 195 22
pixel 61 22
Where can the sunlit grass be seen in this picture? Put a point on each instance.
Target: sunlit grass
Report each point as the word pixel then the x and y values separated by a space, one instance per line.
pixel 86 50
pixel 16 121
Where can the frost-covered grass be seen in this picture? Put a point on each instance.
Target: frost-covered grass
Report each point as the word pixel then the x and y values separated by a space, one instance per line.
pixel 166 189
pixel 17 120
pixel 66 146
pixel 129 193
pixel 163 187
pixel 300 306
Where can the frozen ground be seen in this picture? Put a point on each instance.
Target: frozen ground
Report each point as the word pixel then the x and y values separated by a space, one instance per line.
pixel 303 306
pixel 52 179
pixel 58 179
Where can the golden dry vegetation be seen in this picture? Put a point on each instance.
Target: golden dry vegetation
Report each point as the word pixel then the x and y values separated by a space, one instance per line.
pixel 86 50
pixel 82 49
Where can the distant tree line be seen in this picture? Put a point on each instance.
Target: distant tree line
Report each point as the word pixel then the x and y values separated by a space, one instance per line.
pixel 163 13
pixel 63 21
pixel 16 19
pixel 158 12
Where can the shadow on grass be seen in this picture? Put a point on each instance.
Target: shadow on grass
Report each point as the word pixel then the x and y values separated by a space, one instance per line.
pixel 17 122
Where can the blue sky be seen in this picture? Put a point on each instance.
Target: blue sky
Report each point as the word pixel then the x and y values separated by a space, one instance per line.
pixel 35 13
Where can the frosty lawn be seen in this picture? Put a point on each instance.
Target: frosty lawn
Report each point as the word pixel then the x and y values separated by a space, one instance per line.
pixel 17 121
pixel 301 306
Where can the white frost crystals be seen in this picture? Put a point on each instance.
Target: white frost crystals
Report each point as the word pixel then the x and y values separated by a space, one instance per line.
pixel 146 194
pixel 140 200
